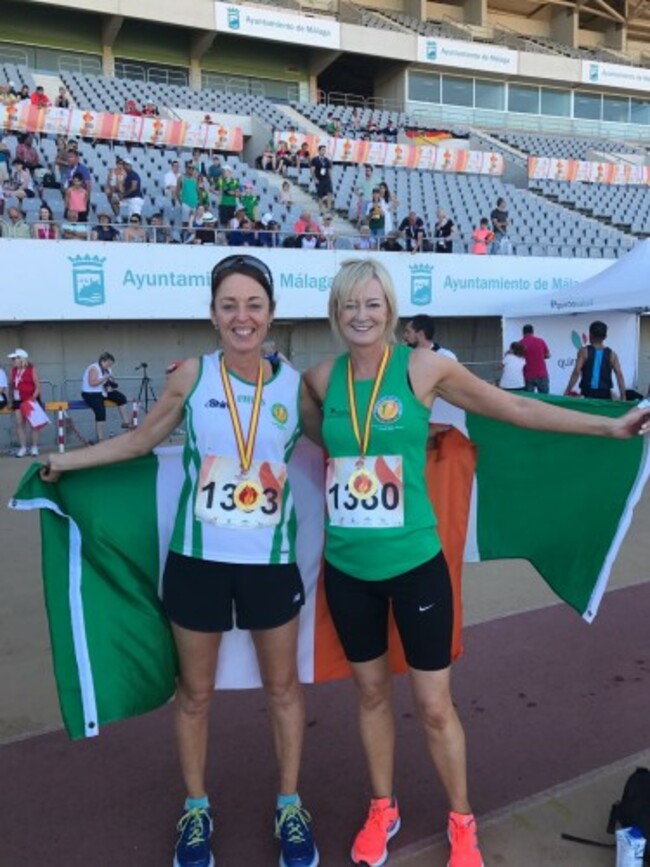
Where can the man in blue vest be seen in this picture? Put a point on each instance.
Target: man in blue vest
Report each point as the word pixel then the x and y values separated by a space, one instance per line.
pixel 594 367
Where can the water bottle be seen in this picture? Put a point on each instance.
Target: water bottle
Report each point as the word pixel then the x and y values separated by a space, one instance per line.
pixel 630 846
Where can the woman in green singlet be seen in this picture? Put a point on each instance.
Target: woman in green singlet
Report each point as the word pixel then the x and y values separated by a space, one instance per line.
pixel 381 546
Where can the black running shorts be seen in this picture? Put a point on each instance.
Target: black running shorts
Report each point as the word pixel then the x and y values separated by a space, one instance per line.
pixel 422 605
pixel 201 594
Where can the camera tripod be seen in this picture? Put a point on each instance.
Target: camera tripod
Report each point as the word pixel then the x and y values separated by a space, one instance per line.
pixel 146 392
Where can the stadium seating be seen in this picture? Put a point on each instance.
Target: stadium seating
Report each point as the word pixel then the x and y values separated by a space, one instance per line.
pixel 563 146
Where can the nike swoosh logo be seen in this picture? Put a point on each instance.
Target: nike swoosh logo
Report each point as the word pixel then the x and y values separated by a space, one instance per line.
pixel 426 607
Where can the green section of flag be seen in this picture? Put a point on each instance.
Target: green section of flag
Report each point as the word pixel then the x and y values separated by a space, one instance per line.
pixel 553 499
pixel 111 642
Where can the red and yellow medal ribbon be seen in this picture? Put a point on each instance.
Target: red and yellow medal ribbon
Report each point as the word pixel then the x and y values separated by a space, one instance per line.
pixel 244 447
pixel 352 402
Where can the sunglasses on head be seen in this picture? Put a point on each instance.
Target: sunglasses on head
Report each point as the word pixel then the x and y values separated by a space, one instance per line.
pixel 134 220
pixel 234 264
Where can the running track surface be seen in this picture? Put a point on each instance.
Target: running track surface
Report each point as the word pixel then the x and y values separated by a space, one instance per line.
pixel 543 697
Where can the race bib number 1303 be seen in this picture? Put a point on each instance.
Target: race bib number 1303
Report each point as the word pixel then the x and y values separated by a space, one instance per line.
pixel 226 499
pixel 385 505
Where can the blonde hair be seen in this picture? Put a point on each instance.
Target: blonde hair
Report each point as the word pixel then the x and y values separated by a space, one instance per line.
pixel 352 274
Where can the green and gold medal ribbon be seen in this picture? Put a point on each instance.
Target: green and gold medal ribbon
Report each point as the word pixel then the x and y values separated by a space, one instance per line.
pixel 244 447
pixel 352 402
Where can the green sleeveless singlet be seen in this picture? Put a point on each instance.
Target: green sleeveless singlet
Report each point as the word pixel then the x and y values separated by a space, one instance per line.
pixel 400 426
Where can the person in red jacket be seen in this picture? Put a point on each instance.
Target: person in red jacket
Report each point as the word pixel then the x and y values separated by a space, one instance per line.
pixel 24 385
pixel 39 98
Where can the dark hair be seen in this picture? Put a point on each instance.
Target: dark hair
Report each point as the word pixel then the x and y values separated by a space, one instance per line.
pixel 527 329
pixel 485 221
pixel 500 202
pixel 47 208
pixel 77 176
pixel 105 356
pixel 598 330
pixel 250 266
pixel 425 324
pixel 517 348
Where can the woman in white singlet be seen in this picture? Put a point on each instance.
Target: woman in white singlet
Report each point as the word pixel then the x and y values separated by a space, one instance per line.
pixel 233 543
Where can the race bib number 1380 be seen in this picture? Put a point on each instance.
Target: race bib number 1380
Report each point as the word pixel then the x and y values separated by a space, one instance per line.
pixel 383 508
pixel 226 499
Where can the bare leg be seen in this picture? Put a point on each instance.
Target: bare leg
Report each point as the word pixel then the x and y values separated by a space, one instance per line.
pixel 20 429
pixel 100 429
pixel 376 722
pixel 444 733
pixel 276 655
pixel 197 653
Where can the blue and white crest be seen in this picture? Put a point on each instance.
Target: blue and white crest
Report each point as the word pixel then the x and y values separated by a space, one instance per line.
pixel 421 284
pixel 432 49
pixel 88 280
pixel 233 18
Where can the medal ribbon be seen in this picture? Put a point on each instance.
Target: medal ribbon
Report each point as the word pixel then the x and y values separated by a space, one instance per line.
pixel 244 447
pixel 352 402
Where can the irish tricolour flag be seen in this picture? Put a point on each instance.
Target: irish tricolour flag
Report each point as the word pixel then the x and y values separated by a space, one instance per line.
pixel 562 502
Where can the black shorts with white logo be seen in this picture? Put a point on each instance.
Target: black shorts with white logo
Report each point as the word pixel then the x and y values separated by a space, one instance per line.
pixel 201 595
pixel 422 604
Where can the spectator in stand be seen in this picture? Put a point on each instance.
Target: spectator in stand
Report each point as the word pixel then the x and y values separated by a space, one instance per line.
pixel 39 98
pixel 6 96
pixel 132 196
pixel 536 352
pixel 131 108
pixel 267 231
pixel 15 226
pixel 170 181
pixel 5 160
pixel 594 366
pixel 391 244
pixel 24 94
pixel 338 129
pixel 443 232
pixel 282 158
pixel 321 170
pixel 215 172
pixel 21 183
pixel 267 161
pixel 27 153
pixel 135 233
pixel 61 159
pixel 243 235
pixel 376 215
pixel 365 241
pixel 390 131
pixel 355 124
pixel 330 125
pixel 187 193
pixel 307 230
pixel 366 185
pixel 392 203
pixel 76 166
pixel 206 233
pixel 303 157
pixel 114 187
pixel 72 229
pixel 250 202
pixel 24 385
pixel 328 233
pixel 286 197
pixel 150 109
pixel 62 100
pixel 104 230
pixel 230 190
pixel 500 223
pixel 413 231
pixel 482 237
pixel 199 163
pixel 45 229
pixel 76 197
pixel 512 368
pixel 158 233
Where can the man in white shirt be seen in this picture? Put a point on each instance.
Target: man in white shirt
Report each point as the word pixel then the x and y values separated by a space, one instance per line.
pixel 170 181
pixel 97 385
pixel 420 331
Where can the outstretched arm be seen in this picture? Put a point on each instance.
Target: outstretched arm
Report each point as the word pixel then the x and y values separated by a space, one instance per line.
pixel 577 370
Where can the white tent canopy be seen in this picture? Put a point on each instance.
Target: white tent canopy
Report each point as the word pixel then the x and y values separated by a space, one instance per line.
pixel 625 285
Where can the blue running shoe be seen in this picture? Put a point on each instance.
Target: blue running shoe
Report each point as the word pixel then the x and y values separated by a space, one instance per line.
pixel 193 844
pixel 293 830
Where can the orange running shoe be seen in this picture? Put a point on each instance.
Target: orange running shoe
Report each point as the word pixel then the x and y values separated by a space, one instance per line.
pixel 463 840
pixel 383 822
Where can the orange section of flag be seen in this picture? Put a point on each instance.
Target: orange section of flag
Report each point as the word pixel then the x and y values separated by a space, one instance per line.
pixel 449 473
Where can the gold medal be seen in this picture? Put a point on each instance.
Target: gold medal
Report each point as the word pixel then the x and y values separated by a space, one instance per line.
pixel 363 483
pixel 248 495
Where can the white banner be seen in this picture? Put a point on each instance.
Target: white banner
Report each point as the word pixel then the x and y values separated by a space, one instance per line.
pixel 467 55
pixel 265 23
pixel 92 280
pixel 615 75
pixel 565 335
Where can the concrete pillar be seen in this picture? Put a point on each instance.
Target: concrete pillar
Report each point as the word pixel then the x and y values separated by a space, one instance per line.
pixel 108 61
pixel 476 12
pixel 416 9
pixel 201 42
pixel 616 36
pixel 564 26
pixel 111 26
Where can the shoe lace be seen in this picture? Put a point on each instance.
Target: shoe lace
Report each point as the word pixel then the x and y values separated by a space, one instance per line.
pixel 376 820
pixel 292 823
pixel 463 834
pixel 194 834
